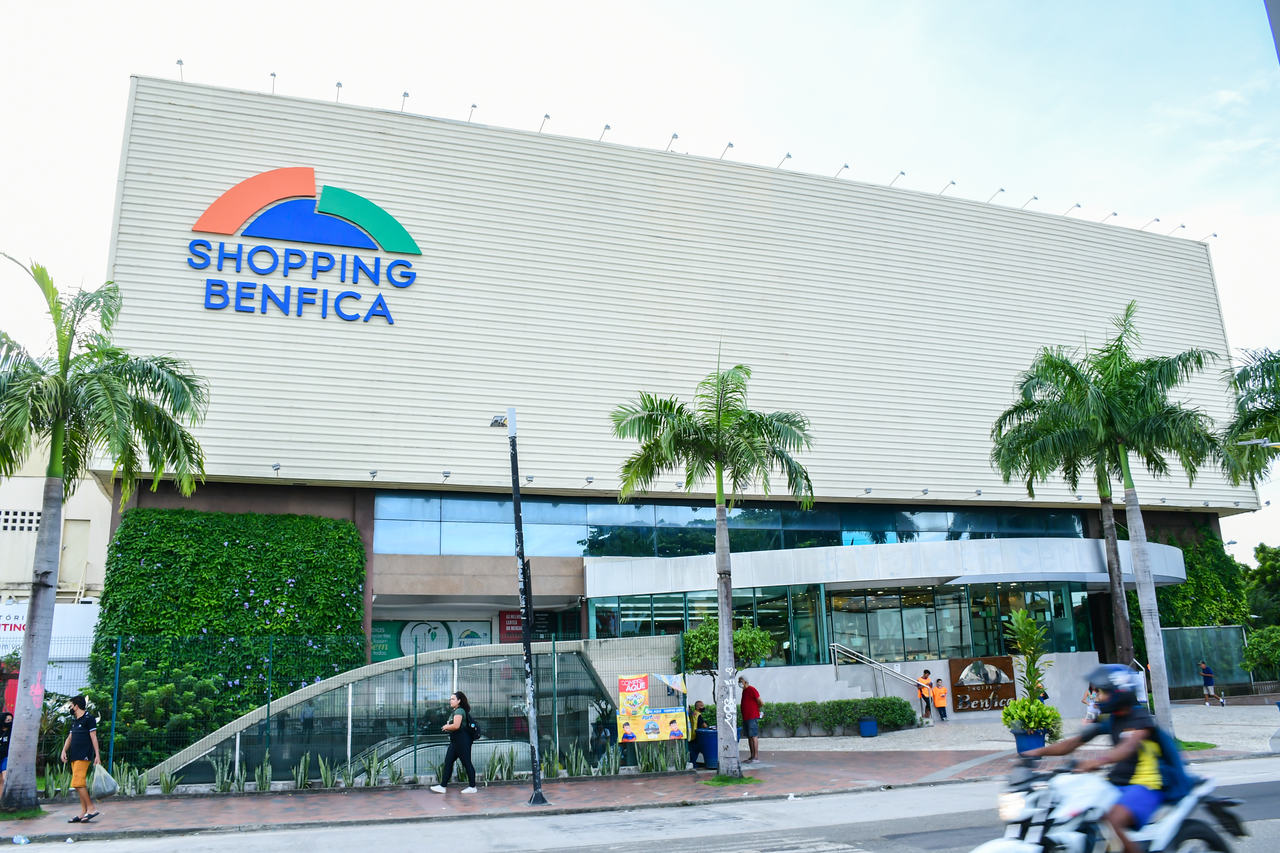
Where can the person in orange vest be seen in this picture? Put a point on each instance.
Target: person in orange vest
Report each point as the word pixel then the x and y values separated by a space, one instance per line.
pixel 922 690
pixel 940 700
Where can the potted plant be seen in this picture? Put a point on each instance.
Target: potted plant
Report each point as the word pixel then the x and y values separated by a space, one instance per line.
pixel 1029 718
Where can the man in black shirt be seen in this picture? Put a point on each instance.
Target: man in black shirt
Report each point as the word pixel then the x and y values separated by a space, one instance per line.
pixel 81 748
pixel 1135 751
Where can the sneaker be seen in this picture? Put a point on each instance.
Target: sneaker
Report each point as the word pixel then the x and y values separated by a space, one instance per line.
pixel 469 791
pixel 1206 704
pixel 1223 700
pixel 439 789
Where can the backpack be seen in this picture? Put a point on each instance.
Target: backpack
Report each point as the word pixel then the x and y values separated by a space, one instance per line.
pixel 474 728
pixel 1175 781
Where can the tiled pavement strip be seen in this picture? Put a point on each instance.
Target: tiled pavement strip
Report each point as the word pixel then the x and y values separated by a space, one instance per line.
pixel 953 751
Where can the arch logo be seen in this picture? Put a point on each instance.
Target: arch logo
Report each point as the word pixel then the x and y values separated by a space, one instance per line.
pixel 284 205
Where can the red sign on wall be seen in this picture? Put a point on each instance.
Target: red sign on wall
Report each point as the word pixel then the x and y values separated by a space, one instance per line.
pixel 509 626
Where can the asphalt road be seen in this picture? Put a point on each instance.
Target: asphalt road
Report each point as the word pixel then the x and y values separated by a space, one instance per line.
pixel 935 819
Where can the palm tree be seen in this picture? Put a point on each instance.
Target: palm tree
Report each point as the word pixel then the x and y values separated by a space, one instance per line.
pixel 1112 406
pixel 1252 439
pixel 718 437
pixel 89 397
pixel 1040 435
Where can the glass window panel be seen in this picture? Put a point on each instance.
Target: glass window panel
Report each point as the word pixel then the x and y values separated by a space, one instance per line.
pixel 406 537
pixel 1065 523
pixel 541 511
pixel 811 538
pixel 554 540
pixel 806 616
pixel 616 514
pixel 949 617
pixel 927 520
pixel 747 516
pixel 753 539
pixel 868 537
pixel 668 613
pixel 485 508
pixel 686 516
pixel 744 607
pixel 972 524
pixel 603 617
pixel 811 519
pixel 868 518
pixel 1080 616
pixel 849 621
pixel 772 615
pixel 700 605
pixel 406 506
pixel 685 541
pixel 1026 522
pixel 477 538
pixel 636 615
pixel 620 542
pixel 884 626
pixel 926 536
pixel 919 629
pixel 984 620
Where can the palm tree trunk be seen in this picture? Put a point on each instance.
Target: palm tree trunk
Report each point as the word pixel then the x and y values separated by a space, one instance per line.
pixel 1115 583
pixel 20 780
pixel 1147 603
pixel 727 716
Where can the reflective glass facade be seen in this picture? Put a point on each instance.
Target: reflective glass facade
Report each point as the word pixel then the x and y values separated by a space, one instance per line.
pixel 904 624
pixel 453 523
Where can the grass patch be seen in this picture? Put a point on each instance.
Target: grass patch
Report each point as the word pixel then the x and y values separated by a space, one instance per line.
pixel 1194 745
pixel 23 814
pixel 720 780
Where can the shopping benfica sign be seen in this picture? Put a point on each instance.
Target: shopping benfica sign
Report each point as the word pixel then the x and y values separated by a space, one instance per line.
pixel 284 205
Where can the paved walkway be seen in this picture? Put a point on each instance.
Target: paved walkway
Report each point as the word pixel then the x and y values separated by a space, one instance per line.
pixel 798 766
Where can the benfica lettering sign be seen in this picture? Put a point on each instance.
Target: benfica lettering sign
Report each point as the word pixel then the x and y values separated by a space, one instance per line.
pixel 982 684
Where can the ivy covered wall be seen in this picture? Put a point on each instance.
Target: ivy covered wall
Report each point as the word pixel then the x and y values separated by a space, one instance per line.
pixel 213 612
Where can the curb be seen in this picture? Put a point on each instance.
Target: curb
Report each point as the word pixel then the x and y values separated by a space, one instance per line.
pixel 115 835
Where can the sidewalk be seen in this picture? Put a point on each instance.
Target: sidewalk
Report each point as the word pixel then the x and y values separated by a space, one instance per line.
pixel 946 752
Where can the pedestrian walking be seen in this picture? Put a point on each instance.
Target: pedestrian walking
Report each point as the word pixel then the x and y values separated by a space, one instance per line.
pixel 1090 702
pixel 459 729
pixel 6 732
pixel 923 690
pixel 940 700
pixel 1206 675
pixel 750 717
pixel 81 749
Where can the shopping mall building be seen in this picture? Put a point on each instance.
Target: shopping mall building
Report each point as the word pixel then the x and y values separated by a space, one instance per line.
pixel 364 289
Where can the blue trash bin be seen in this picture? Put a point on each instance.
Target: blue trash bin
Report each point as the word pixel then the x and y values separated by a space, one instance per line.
pixel 868 727
pixel 705 743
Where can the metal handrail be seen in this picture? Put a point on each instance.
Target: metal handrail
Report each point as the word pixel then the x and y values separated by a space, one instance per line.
pixel 858 657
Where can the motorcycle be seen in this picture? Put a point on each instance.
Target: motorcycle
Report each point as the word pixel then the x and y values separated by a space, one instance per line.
pixel 1062 811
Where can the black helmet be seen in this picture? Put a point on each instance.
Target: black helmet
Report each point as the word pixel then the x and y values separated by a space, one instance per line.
pixel 1117 682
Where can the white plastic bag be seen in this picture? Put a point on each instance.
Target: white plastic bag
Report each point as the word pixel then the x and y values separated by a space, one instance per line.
pixel 102 785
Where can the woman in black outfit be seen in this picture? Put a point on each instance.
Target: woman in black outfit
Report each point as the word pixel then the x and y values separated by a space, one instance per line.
pixel 6 732
pixel 459 729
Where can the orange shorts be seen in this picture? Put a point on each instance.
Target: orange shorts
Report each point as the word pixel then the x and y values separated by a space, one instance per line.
pixel 79 770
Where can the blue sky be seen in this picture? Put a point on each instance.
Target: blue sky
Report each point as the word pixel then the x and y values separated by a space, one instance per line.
pixel 1168 110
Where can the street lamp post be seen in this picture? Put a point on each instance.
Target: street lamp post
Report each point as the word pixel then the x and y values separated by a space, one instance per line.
pixel 526 608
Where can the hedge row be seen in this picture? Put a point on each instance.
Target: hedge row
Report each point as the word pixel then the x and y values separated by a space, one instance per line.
pixel 890 712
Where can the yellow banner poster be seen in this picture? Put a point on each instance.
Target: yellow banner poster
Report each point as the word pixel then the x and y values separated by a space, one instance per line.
pixel 638 722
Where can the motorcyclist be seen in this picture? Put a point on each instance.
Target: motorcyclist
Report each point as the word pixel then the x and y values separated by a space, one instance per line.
pixel 1135 751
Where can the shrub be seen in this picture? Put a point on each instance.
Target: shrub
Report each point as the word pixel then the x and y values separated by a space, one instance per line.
pixel 1263 651
pixel 809 713
pixel 829 715
pixel 787 715
pixel 891 712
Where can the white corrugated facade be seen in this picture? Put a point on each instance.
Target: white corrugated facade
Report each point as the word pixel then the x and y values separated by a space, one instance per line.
pixel 563 275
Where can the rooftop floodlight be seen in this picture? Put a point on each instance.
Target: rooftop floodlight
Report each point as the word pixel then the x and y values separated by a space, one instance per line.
pixel 727 146
pixel 924 491
pixel 1152 220
pixel 1171 230
pixel 589 480
pixel 471 112
pixel 528 478
pixel 275 466
pixel 1206 503
pixel 1108 216
pixel 1235 503
pixel 948 185
pixel 994 194
pixel 546 117
pixel 978 492
pixel 1162 500
pixel 338 87
pixel 373 475
pixel 604 130
pixel 180 71
pixel 273 82
pixel 841 169
pixel 900 174
pixel 1207 236
pixel 1232 542
pixel 404 96
pixel 446 473
pixel 1067 212
pixel 1028 201
pixel 1079 497
pixel 498 421
pixel 785 158
pixel 867 490
pixel 673 138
